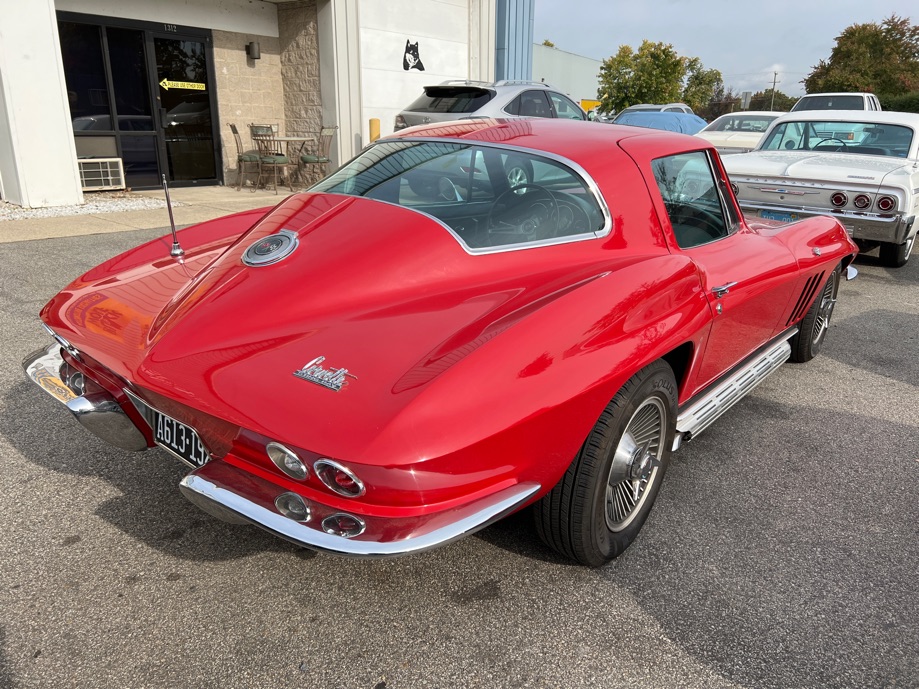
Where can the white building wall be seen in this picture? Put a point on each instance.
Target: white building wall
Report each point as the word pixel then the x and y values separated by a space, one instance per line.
pixel 240 16
pixel 38 160
pixel 575 75
pixel 441 30
pixel 361 43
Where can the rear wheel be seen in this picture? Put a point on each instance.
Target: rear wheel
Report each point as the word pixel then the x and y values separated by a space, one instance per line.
pixel 806 344
pixel 598 507
pixel 518 172
pixel 896 255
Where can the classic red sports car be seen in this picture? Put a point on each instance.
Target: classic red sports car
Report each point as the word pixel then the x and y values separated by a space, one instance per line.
pixel 464 320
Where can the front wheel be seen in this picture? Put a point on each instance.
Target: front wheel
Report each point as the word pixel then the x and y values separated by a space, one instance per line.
pixel 806 343
pixel 598 507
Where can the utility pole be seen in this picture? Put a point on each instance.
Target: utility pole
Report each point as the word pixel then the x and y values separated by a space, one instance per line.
pixel 775 75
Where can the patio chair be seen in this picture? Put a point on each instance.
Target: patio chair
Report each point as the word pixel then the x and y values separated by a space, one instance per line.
pixel 273 162
pixel 321 156
pixel 246 161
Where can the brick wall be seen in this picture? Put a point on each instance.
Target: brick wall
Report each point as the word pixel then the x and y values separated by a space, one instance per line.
pixel 248 91
pixel 280 88
pixel 299 45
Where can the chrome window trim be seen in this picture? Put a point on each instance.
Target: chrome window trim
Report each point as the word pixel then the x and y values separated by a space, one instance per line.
pixel 727 210
pixel 732 228
pixel 581 172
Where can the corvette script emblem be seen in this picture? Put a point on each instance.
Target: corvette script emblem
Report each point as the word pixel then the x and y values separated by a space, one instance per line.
pixel 331 378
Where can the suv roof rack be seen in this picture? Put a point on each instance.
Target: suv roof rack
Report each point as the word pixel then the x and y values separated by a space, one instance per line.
pixel 465 82
pixel 492 84
pixel 522 82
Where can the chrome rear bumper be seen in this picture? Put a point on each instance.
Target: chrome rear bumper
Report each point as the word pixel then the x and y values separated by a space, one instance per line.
pixel 860 225
pixel 90 404
pixel 236 496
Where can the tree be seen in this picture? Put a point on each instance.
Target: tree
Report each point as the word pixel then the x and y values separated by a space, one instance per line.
pixel 700 84
pixel 651 75
pixel 655 73
pixel 724 100
pixel 764 100
pixel 877 58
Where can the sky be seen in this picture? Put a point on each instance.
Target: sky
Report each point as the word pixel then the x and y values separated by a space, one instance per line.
pixel 746 41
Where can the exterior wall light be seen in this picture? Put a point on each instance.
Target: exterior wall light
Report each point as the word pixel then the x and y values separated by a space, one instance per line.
pixel 252 51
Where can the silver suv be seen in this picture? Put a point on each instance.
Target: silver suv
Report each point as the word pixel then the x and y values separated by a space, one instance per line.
pixel 458 100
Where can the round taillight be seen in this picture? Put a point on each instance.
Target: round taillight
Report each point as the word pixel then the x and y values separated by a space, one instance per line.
pixel 344 525
pixel 339 479
pixel 293 507
pixel 862 201
pixel 839 199
pixel 287 461
pixel 886 203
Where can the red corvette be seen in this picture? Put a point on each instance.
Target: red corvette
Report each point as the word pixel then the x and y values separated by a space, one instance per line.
pixel 464 320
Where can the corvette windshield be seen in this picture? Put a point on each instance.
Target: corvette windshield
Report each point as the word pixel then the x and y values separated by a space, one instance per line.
pixel 490 197
pixel 866 138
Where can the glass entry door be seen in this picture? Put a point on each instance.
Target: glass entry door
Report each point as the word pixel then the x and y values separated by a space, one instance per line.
pixel 142 92
pixel 184 99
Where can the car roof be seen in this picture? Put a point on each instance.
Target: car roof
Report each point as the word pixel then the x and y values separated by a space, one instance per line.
pixel 836 93
pixel 910 119
pixel 753 113
pixel 671 121
pixel 654 106
pixel 585 143
pixel 522 83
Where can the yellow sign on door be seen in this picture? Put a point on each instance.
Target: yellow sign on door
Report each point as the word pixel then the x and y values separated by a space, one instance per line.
pixel 191 85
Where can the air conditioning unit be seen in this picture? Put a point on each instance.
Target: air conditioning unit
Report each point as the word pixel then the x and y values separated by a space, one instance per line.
pixel 100 174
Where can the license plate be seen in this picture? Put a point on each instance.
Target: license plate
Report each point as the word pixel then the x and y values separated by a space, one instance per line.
pixel 179 439
pixel 781 217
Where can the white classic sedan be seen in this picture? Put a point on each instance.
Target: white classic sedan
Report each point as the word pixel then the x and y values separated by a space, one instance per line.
pixel 858 166
pixel 738 132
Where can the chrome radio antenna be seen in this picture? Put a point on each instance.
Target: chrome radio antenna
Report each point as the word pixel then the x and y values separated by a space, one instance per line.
pixel 176 250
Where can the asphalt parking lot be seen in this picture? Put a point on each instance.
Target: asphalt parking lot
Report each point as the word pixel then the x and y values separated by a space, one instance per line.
pixel 783 550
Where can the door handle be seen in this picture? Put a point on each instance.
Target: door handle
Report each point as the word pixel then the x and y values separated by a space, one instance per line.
pixel 722 290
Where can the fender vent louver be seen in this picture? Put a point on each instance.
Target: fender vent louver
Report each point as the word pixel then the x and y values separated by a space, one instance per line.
pixel 805 299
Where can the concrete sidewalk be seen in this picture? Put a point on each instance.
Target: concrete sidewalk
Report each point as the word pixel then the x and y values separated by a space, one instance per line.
pixel 190 205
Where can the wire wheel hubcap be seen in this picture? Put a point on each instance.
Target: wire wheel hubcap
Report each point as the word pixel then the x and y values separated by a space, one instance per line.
pixel 825 310
pixel 635 463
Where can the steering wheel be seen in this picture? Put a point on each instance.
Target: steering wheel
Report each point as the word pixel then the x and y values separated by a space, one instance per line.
pixel 689 218
pixel 832 138
pixel 573 215
pixel 447 191
pixel 527 209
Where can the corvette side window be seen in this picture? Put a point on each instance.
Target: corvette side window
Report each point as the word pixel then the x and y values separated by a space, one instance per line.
pixel 694 205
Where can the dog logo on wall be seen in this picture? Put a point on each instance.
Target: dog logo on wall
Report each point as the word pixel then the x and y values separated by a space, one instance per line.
pixel 410 59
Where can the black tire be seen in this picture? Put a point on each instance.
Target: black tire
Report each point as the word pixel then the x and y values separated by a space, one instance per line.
pixel 806 343
pixel 593 514
pixel 896 255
